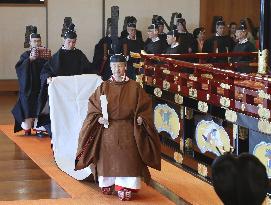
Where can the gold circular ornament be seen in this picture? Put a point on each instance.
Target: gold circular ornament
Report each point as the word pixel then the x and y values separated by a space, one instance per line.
pixel 158 92
pixel 178 99
pixel 230 115
pixel 202 106
pixel 178 157
pixel 264 126
pixel 166 85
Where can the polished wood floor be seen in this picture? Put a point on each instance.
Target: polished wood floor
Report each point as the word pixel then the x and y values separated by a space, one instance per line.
pixel 20 177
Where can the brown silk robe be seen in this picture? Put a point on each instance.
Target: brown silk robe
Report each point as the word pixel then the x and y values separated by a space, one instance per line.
pixel 125 149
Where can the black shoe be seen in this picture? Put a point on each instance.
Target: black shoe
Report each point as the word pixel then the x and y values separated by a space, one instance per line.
pixel 41 134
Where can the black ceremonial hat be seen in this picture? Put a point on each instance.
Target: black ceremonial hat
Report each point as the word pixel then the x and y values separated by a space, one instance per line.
pixel 118 58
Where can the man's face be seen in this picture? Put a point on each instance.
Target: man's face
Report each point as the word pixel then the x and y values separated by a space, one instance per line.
pixel 170 39
pixel 233 29
pixel 118 69
pixel 132 32
pixel 161 28
pixel 69 44
pixel 152 33
pixel 180 27
pixel 202 35
pixel 35 42
pixel 220 30
pixel 240 34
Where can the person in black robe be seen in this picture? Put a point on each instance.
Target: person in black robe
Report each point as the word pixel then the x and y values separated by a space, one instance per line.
pixel 154 45
pixel 243 45
pixel 219 43
pixel 67 61
pixel 161 34
pixel 28 70
pixel 186 39
pixel 124 33
pixel 103 51
pixel 131 44
pixel 200 37
pixel 174 46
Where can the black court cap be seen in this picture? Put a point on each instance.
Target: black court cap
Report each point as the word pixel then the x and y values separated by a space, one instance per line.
pixel 117 58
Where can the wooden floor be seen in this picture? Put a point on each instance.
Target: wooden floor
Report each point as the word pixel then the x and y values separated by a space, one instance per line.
pixel 21 178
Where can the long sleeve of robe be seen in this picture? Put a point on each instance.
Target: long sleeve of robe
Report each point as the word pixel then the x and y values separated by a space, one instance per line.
pixel 125 148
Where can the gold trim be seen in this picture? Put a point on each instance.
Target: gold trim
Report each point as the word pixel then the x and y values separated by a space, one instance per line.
pixel 193 93
pixel 264 126
pixel 225 102
pixel 178 157
pixel 178 99
pixel 231 115
pixel 193 78
pixel 209 76
pixel 208 97
pixel 166 85
pixel 263 61
pixel 203 106
pixel 188 143
pixel 179 88
pixel 135 55
pixel 166 71
pixel 158 92
pixel 137 65
pixel 263 95
pixel 225 86
pixel 202 170
pixel 154 81
pixel 243 107
pixel 263 112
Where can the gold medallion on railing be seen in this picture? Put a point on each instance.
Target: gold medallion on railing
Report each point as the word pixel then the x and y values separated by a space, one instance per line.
pixel 263 112
pixel 178 99
pixel 166 71
pixel 231 116
pixel 225 102
pixel 193 93
pixel 178 157
pixel 157 92
pixel 202 170
pixel 225 86
pixel 264 126
pixel 203 106
pixel 166 85
pixel 263 95
pixel 193 78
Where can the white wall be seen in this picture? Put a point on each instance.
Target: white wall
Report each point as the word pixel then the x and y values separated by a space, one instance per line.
pixel 143 10
pixel 87 17
pixel 12 24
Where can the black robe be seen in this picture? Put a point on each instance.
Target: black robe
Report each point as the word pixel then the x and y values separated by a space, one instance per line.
pixel 243 47
pixel 102 65
pixel 58 66
pixel 157 47
pixel 220 44
pixel 128 46
pixel 124 34
pixel 176 50
pixel 188 42
pixel 28 74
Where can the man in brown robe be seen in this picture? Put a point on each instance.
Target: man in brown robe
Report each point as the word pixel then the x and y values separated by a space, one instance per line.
pixel 121 152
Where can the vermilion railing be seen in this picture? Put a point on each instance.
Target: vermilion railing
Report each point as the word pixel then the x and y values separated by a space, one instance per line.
pixel 245 93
